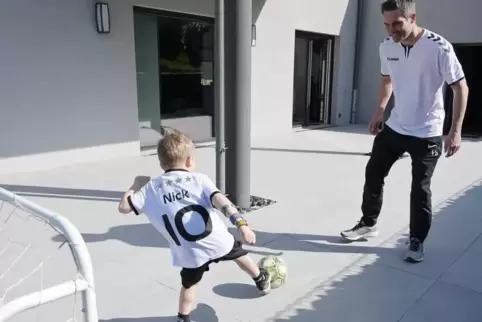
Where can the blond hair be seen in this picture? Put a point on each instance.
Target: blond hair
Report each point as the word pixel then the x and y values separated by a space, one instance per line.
pixel 173 149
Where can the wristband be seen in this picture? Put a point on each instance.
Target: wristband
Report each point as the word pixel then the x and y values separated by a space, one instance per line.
pixel 241 223
pixel 238 221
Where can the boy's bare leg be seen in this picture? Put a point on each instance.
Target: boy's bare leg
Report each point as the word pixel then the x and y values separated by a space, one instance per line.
pixel 260 276
pixel 247 264
pixel 186 301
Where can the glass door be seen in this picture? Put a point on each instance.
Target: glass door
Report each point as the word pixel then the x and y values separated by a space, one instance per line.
pixel 321 81
pixel 312 79
pixel 147 70
pixel 301 79
pixel 175 78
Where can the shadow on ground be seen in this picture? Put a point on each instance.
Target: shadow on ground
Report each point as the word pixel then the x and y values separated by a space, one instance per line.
pixel 144 235
pixel 380 286
pixel 310 151
pixel 378 289
pixel 238 291
pixel 203 312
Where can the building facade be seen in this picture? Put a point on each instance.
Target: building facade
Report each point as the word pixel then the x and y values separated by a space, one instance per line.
pixel 71 94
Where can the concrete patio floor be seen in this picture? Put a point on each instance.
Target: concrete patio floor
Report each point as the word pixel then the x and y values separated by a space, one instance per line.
pixel 316 177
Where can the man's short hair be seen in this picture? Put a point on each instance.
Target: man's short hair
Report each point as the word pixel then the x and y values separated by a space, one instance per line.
pixel 407 7
pixel 173 149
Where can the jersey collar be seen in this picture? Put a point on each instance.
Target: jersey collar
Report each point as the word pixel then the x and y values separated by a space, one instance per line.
pixel 173 170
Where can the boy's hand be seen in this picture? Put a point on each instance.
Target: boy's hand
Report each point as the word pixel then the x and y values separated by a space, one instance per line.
pixel 124 205
pixel 248 236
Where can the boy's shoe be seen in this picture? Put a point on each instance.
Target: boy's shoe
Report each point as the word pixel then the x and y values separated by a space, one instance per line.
pixel 181 320
pixel 360 231
pixel 264 282
pixel 184 319
pixel 414 253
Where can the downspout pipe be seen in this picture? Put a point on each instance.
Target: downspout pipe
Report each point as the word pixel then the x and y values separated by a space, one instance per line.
pixel 219 89
pixel 356 67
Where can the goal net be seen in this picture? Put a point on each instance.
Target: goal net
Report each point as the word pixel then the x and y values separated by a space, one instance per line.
pixel 45 268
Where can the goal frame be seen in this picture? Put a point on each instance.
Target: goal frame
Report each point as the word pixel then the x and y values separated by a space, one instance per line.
pixel 84 283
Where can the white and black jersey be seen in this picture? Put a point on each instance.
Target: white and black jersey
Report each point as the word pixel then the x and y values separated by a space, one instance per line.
pixel 418 75
pixel 178 204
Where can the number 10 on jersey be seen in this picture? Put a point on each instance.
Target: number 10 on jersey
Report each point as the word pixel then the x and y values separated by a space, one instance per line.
pixel 180 226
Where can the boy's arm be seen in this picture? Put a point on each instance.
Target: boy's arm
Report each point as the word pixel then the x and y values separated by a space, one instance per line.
pixel 223 204
pixel 134 197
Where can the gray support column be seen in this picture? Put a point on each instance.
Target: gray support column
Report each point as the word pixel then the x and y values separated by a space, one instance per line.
pixel 219 81
pixel 238 100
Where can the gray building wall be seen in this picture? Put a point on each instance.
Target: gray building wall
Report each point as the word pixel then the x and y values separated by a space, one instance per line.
pixel 63 85
pixel 69 94
pixel 273 58
pixel 455 20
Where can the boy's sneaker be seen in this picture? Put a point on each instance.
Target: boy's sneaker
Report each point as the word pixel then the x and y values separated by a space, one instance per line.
pixel 263 283
pixel 415 251
pixel 360 231
pixel 183 319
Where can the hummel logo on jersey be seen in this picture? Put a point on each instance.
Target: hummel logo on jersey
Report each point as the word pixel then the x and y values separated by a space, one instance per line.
pixel 393 58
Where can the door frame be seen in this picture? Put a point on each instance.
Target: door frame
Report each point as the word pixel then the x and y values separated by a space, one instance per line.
pixel 173 14
pixel 448 95
pixel 311 36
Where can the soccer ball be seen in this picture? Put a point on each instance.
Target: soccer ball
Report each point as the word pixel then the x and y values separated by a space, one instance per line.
pixel 277 269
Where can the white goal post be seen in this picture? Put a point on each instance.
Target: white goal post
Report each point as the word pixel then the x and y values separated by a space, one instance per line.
pixel 84 283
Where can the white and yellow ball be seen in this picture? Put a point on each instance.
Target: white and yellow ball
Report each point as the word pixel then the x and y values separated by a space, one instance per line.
pixel 277 268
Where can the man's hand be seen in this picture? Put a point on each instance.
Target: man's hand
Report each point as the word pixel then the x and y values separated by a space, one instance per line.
pixel 453 141
pixel 248 236
pixel 376 123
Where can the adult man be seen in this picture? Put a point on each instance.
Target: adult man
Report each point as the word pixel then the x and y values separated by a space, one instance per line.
pixel 415 64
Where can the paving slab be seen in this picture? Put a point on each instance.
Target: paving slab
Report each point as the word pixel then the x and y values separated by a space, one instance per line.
pixel 466 272
pixel 316 178
pixel 447 303
pixel 463 210
pixel 366 291
pixel 232 291
pixel 443 248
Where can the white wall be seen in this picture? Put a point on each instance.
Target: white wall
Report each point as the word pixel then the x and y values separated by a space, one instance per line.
pixel 69 94
pixel 64 86
pixel 273 58
pixel 455 20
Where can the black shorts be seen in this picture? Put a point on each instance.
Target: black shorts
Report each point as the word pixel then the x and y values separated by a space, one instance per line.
pixel 192 276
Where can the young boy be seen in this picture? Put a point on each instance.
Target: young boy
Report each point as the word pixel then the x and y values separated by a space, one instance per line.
pixel 181 204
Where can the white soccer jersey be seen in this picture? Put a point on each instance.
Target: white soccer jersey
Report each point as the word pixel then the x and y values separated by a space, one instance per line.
pixel 178 204
pixel 418 76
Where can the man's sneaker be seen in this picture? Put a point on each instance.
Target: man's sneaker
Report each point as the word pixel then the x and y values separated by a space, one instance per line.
pixel 263 283
pixel 360 231
pixel 415 251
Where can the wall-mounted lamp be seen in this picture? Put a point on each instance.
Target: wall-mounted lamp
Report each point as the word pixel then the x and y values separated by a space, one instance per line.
pixel 102 17
pixel 253 35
